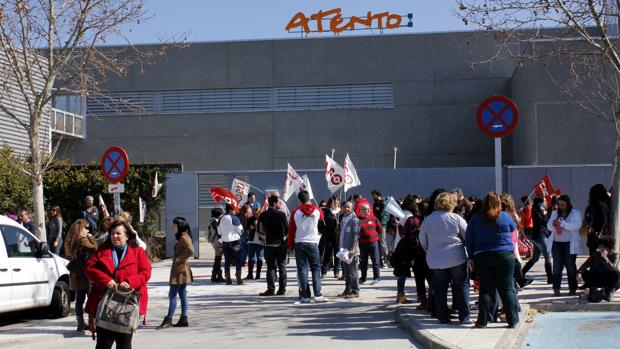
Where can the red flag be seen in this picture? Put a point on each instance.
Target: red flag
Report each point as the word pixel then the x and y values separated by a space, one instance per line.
pixel 222 194
pixel 545 189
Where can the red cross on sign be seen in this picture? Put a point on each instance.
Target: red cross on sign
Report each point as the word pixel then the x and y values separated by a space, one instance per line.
pixel 114 164
pixel 497 116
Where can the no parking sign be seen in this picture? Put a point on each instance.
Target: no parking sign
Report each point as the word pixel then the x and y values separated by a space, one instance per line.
pixel 497 116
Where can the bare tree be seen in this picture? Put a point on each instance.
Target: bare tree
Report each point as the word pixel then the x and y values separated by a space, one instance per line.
pixel 52 47
pixel 583 33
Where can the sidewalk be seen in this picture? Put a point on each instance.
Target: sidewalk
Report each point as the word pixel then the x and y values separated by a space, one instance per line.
pixel 537 297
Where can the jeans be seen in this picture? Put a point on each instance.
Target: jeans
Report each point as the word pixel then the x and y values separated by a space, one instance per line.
pixel 496 270
pixel 351 282
pixel 80 297
pixel 232 254
pixel 181 290
pixel 372 250
pixel 256 252
pixel 243 253
pixel 422 272
pixel 400 283
pixel 276 258
pixel 540 247
pixel 106 338
pixel 458 276
pixel 331 246
pixel 307 256
pixel 563 258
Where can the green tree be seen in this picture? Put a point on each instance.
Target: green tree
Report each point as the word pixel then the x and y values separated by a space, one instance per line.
pixel 16 189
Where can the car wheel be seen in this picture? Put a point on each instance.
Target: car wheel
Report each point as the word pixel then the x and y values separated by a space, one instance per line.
pixel 60 300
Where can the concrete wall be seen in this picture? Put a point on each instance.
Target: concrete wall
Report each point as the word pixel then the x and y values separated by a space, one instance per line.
pixel 553 128
pixel 432 123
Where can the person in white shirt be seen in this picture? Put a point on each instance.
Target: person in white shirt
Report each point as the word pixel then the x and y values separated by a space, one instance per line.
pixel 230 230
pixel 303 238
pixel 565 244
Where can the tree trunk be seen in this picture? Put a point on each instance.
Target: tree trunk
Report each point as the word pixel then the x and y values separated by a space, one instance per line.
pixel 37 178
pixel 615 197
pixel 39 208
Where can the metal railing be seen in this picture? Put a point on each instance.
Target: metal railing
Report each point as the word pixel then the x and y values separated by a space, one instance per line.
pixel 68 124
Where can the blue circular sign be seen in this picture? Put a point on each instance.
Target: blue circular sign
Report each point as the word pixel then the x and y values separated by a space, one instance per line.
pixel 497 116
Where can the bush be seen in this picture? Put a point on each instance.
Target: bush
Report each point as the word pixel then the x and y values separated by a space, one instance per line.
pixel 16 187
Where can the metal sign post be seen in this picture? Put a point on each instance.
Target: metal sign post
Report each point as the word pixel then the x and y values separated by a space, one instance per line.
pixel 498 165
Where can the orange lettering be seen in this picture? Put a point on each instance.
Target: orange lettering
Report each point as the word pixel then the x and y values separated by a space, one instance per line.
pixel 335 22
pixel 379 17
pixel 393 21
pixel 319 16
pixel 365 22
pixel 299 20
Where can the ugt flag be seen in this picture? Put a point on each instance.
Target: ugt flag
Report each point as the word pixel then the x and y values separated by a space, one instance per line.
pixel 334 174
pixel 351 180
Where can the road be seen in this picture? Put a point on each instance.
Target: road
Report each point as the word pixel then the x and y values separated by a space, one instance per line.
pixel 234 316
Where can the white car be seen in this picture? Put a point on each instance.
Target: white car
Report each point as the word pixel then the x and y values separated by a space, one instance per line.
pixel 30 275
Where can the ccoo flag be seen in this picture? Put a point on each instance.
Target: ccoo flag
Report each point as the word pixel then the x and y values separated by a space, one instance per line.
pixel 308 187
pixel 293 184
pixel 351 180
pixel 241 190
pixel 156 187
pixel 334 174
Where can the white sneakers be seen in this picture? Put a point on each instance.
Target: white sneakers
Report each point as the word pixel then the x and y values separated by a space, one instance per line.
pixel 319 299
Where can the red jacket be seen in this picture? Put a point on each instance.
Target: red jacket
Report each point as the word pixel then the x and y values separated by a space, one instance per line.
pixel 135 269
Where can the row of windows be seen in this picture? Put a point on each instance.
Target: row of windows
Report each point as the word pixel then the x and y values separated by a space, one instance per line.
pixel 242 100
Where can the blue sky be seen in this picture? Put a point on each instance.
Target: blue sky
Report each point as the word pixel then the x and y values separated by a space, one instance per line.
pixel 217 20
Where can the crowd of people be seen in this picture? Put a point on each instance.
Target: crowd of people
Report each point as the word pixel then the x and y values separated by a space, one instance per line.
pixel 446 242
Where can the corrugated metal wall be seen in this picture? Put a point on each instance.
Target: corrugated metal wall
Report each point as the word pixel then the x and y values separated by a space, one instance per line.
pixel 11 133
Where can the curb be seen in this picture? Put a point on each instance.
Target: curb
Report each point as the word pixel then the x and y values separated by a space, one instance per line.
pixel 424 337
pixel 566 307
pixel 429 340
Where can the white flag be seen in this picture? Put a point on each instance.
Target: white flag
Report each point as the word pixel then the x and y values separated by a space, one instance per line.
pixel 351 180
pixel 308 187
pixel 241 190
pixel 156 187
pixel 293 183
pixel 103 208
pixel 142 211
pixel 334 174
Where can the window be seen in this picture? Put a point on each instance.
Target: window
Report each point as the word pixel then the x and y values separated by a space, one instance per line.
pixel 359 96
pixel 18 243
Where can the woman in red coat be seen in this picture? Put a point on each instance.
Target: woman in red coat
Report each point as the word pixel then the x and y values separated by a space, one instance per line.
pixel 118 262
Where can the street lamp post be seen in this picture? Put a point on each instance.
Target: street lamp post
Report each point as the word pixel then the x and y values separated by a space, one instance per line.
pixel 395 150
pixel 333 151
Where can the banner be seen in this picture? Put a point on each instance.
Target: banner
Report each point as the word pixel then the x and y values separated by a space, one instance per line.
pixel 241 190
pixel 334 174
pixel 351 180
pixel 156 187
pixel 545 189
pixel 103 208
pixel 293 184
pixel 142 209
pixel 223 194
pixel 308 186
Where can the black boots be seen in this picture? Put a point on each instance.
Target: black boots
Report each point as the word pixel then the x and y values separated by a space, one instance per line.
pixel 182 322
pixel 259 266
pixel 549 272
pixel 81 325
pixel 165 324
pixel 228 280
pixel 250 271
pixel 168 323
pixel 216 274
pixel 239 279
